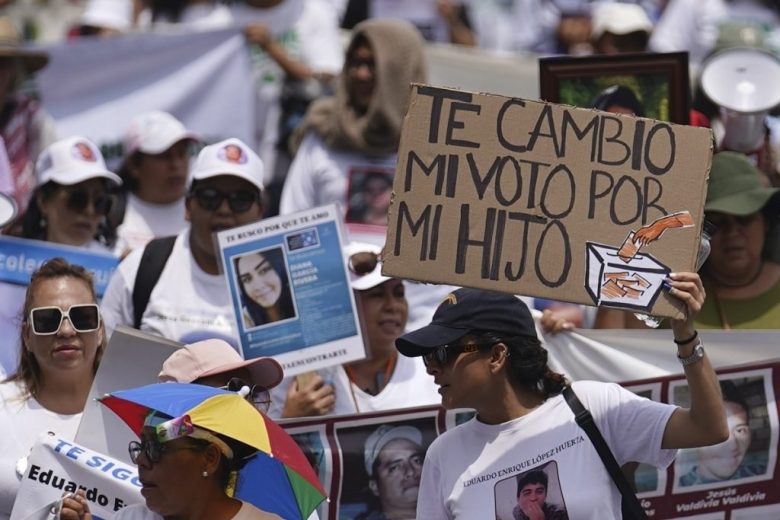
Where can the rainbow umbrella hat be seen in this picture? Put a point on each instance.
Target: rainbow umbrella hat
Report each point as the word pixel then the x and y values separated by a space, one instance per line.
pixel 278 479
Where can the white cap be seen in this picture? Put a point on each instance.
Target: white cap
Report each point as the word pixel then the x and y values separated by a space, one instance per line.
pixel 384 434
pixel 618 18
pixel 154 132
pixel 110 14
pixel 70 161
pixel 362 282
pixel 229 157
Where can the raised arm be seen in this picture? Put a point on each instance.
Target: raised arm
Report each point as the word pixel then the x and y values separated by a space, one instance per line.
pixel 704 423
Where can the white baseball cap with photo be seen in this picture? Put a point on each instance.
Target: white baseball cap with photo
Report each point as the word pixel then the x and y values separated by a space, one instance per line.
pixel 70 161
pixel 154 132
pixel 229 157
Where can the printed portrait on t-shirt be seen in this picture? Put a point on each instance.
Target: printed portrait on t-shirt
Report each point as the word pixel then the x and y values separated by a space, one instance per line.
pixel 745 456
pixel 535 493
pixel 368 195
pixel 382 466
pixel 264 285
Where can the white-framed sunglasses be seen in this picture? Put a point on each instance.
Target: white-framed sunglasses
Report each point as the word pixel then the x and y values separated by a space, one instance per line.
pixel 46 321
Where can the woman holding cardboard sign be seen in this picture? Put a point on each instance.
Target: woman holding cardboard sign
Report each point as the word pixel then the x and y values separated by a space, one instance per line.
pixel 62 340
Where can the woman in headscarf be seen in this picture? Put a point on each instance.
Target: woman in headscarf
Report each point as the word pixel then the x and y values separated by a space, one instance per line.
pixel 356 132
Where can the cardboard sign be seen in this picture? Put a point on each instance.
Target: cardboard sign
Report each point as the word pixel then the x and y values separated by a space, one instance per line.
pixel 546 200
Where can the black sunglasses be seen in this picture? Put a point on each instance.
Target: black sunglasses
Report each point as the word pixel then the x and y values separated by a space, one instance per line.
pixel 46 321
pixel 154 449
pixel 239 201
pixel 446 353
pixel 79 198
pixel 258 395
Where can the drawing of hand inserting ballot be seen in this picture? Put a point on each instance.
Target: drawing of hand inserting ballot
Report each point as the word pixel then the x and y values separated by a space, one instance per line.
pixel 624 277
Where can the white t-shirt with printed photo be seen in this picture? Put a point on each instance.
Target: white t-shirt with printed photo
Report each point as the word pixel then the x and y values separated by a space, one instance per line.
pixel 466 467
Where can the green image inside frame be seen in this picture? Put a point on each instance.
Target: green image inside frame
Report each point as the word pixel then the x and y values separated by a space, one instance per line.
pixel 652 90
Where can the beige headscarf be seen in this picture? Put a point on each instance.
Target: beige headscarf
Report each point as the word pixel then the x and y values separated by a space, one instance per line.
pixel 399 61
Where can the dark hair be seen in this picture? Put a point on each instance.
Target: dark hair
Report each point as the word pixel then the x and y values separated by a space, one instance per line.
pixel 32 224
pixel 733 394
pixel 28 372
pixel 242 454
pixel 527 365
pixel 129 183
pixel 536 476
pixel 257 312
pixel 621 96
pixel 167 10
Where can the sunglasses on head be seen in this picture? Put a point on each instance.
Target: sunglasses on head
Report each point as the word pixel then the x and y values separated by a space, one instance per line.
pixel 363 263
pixel 239 201
pixel 258 395
pixel 446 353
pixel 48 320
pixel 79 198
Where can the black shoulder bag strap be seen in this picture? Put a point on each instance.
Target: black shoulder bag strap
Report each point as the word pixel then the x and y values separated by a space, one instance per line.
pixel 632 509
pixel 153 261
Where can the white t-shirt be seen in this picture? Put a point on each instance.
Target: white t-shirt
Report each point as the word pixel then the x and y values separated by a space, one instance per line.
pixel 144 221
pixel 409 386
pixel 140 512
pixel 467 467
pixel 21 423
pixel 187 304
pixel 308 30
pixel 320 175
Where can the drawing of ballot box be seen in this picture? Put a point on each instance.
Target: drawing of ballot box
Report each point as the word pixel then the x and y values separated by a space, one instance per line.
pixel 612 282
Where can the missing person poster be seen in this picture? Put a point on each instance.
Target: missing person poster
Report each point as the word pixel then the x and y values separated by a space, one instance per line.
pixel 546 200
pixel 290 290
pixel 735 479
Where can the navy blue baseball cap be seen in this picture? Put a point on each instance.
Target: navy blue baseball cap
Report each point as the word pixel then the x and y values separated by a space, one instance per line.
pixel 466 310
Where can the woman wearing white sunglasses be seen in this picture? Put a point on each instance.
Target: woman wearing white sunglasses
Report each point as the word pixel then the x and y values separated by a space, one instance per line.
pixel 62 340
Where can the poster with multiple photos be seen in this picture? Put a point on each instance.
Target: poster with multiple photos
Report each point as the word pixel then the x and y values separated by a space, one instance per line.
pixel 734 480
pixel 290 290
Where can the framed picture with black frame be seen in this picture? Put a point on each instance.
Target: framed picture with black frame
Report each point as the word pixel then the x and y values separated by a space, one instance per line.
pixel 654 85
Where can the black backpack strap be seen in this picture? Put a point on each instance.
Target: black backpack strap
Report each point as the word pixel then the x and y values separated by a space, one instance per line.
pixel 153 261
pixel 631 505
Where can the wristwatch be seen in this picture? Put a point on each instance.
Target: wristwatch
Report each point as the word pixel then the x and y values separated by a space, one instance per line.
pixel 698 354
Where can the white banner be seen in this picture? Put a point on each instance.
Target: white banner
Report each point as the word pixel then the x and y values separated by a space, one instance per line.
pixel 57 466
pixel 620 355
pixel 95 86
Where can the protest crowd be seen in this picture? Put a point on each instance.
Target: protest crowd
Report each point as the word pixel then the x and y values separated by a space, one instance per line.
pixel 204 183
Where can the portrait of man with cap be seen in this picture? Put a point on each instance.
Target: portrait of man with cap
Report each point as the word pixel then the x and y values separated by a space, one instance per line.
pixel 483 352
pixel 392 458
